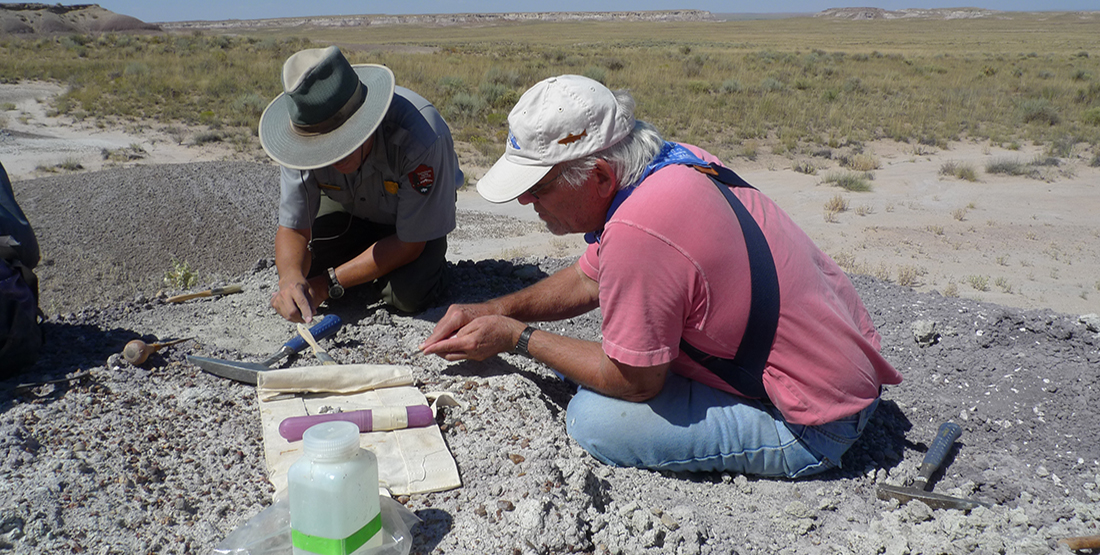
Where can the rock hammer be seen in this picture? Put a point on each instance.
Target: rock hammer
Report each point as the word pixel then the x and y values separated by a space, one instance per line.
pixel 945 438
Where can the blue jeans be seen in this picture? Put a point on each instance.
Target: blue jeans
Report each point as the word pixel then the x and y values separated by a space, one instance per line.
pixel 692 427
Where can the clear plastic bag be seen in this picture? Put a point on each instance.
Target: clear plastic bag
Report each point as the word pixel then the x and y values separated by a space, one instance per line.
pixel 268 533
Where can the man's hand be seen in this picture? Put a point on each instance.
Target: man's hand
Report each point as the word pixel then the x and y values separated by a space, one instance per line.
pixel 444 340
pixel 297 301
pixel 481 338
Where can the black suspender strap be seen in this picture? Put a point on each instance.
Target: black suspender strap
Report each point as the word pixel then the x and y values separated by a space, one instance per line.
pixel 745 371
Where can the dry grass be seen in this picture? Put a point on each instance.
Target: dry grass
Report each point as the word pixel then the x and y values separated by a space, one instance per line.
pixel 834 207
pixel 740 86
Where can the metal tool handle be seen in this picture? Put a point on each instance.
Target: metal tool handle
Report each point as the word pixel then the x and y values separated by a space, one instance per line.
pixel 328 325
pixel 945 438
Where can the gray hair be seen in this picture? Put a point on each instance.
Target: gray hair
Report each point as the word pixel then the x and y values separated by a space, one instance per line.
pixel 628 157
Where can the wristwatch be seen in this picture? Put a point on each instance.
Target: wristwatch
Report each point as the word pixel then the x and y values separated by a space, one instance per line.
pixel 335 290
pixel 524 337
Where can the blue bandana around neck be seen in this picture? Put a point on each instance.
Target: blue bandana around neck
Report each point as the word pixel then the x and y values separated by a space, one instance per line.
pixel 671 153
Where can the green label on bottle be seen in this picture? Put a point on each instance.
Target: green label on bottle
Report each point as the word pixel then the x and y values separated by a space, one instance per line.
pixel 330 546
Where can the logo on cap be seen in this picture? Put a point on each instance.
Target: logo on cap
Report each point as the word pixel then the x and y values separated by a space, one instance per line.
pixel 571 138
pixel 513 142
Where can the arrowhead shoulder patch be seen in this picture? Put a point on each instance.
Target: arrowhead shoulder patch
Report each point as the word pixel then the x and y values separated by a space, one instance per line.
pixel 422 179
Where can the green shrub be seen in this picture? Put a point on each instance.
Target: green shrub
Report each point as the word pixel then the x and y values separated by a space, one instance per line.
pixel 465 106
pixel 596 74
pixel 501 76
pixel 698 87
pixel 771 84
pixel 1039 111
pixel 452 85
pixel 849 181
pixel 1008 166
pixel 495 94
pixel 731 86
pixel 959 170
pixel 1091 116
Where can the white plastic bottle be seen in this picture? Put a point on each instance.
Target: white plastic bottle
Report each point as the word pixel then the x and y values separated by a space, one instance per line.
pixel 333 493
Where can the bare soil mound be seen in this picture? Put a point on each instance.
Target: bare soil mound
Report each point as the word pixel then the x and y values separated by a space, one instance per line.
pixel 29 19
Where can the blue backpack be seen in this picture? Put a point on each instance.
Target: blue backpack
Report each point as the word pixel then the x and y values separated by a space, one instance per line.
pixel 20 318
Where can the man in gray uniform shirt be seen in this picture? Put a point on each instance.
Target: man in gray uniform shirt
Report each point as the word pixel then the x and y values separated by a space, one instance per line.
pixel 368 185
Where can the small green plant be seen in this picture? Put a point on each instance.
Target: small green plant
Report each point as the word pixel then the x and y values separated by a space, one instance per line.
pixel 1004 284
pixel 207 137
pixel 864 210
pixel 959 214
pixel 1009 166
pixel 979 283
pixel 959 170
pixel 849 181
pixel 180 276
pixel 934 229
pixel 1002 260
pixel 951 290
pixel 7 106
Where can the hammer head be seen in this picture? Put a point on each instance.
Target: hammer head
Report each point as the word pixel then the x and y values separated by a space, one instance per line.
pixel 887 492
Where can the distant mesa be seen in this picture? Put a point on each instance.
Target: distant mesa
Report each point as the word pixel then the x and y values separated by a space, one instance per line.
pixel 31 19
pixel 911 13
pixel 440 20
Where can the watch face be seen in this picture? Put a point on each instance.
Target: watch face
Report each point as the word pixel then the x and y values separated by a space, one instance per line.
pixel 336 291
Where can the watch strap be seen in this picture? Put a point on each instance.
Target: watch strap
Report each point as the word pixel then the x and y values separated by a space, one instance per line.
pixel 332 281
pixel 524 338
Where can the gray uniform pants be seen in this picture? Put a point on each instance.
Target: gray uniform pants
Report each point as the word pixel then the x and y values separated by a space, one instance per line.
pixel 338 237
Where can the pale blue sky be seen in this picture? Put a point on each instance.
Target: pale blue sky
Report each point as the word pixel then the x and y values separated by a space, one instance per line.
pixel 158 10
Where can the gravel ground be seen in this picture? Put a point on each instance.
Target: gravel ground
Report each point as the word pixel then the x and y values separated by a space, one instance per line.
pixel 164 458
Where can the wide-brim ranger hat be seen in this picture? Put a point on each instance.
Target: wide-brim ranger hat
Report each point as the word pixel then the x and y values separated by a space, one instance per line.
pixel 327 110
pixel 559 119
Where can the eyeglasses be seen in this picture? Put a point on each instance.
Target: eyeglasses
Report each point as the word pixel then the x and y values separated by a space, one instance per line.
pixel 534 190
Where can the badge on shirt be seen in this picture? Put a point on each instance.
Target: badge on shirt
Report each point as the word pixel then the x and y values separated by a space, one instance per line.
pixel 422 178
pixel 391 187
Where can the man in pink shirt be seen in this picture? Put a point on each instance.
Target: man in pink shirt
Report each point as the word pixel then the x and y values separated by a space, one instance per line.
pixel 730 341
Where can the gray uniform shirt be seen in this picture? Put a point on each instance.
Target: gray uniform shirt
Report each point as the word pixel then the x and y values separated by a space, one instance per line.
pixel 410 178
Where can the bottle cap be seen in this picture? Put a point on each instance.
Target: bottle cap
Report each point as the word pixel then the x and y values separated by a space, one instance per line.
pixel 331 440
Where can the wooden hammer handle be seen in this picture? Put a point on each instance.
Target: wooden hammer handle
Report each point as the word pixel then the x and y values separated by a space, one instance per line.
pixel 1081 542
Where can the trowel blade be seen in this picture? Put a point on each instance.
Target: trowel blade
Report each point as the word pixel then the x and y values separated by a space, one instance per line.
pixel 244 372
pixel 887 492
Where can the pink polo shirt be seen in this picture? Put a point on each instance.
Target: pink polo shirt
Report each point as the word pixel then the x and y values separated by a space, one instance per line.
pixel 672 262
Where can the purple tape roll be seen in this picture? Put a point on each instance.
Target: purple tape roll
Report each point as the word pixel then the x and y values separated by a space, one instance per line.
pixel 418 416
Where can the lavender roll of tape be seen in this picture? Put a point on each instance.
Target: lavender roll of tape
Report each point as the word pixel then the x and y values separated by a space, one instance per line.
pixel 373 420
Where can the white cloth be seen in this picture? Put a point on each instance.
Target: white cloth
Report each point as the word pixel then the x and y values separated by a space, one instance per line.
pixel 413 460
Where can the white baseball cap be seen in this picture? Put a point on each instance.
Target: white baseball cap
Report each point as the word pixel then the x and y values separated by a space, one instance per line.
pixel 559 119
